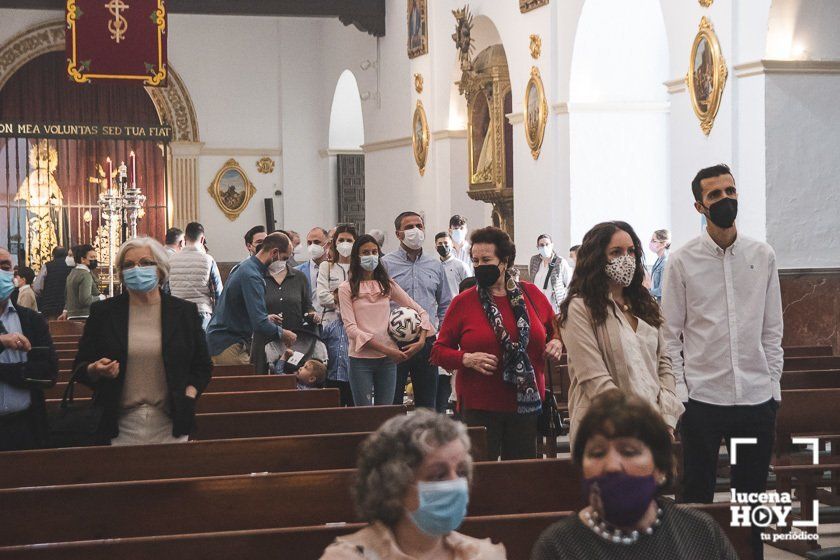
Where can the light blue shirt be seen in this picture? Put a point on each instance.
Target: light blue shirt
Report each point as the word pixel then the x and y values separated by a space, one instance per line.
pixel 424 280
pixel 12 399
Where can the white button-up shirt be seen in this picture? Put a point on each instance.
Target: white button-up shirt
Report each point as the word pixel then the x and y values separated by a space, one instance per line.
pixel 727 306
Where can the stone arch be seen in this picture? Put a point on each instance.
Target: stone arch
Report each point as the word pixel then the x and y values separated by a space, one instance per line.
pixel 173 102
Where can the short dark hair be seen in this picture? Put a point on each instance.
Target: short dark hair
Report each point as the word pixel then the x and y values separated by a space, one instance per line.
pixel 505 249
pixel 708 173
pixel 27 274
pixel 441 235
pixel 574 248
pixel 276 240
pixel 615 414
pixel 81 251
pixel 544 236
pixel 193 231
pixel 249 235
pixel 466 284
pixel 457 221
pixel 59 253
pixel 398 220
pixel 172 235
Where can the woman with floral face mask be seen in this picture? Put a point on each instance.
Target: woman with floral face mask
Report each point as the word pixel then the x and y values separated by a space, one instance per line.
pixel 612 327
pixel 412 486
pixel 624 450
pixel 365 304
pixel 144 353
pixel 333 271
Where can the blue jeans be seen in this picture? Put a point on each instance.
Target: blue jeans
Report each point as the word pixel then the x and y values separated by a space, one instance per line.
pixel 372 380
pixel 424 378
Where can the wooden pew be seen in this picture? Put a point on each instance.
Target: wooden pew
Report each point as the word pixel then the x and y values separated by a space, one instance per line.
pixel 815 379
pixel 806 412
pixel 84 465
pixel 805 351
pixel 518 532
pixel 133 509
pixel 218 371
pixel 224 384
pixel 227 425
pixel 256 400
pixel 816 362
pixel 67 328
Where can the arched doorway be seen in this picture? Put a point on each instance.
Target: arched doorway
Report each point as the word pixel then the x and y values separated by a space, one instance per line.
pixel 619 117
pixel 347 162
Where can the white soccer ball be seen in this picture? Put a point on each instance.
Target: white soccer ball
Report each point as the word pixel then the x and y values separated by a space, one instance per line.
pixel 404 325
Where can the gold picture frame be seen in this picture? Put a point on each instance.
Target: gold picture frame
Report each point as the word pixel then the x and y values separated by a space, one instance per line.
pixel 417 20
pixel 707 74
pixel 231 189
pixel 420 137
pixel 528 5
pixel 536 112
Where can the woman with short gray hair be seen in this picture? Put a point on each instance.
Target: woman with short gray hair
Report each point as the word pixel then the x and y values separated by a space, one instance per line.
pixel 144 354
pixel 412 486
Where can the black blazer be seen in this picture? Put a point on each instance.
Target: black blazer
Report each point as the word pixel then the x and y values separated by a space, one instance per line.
pixel 36 330
pixel 185 355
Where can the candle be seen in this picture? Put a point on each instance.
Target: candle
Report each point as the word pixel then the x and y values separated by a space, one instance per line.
pixel 110 172
pixel 133 171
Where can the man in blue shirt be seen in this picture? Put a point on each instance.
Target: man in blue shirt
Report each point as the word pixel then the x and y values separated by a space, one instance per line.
pixel 241 311
pixel 424 279
pixel 22 376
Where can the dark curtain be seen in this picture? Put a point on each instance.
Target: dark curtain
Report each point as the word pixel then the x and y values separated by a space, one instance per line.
pixel 40 92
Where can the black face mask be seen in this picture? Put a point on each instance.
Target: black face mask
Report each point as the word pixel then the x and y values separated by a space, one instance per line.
pixel 487 274
pixel 92 265
pixel 723 212
pixel 257 248
pixel 444 250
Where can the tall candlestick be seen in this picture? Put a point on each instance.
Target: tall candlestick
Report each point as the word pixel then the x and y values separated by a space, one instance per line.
pixel 110 172
pixel 133 171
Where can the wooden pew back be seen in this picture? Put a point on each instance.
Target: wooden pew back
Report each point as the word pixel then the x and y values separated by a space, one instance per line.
pixel 227 384
pixel 806 412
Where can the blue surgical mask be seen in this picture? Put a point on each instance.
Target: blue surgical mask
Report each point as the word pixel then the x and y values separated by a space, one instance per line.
pixel 369 262
pixel 443 506
pixel 7 284
pixel 141 278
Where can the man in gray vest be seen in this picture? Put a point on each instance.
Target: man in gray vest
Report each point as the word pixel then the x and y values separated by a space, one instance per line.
pixel 50 283
pixel 194 275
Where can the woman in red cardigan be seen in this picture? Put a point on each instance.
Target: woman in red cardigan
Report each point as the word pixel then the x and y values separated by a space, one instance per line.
pixel 495 335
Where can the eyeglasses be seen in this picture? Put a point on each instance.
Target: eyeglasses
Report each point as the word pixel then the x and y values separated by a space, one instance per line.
pixel 143 262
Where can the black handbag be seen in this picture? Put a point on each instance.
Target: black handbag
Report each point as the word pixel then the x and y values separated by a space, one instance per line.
pixel 549 423
pixel 75 424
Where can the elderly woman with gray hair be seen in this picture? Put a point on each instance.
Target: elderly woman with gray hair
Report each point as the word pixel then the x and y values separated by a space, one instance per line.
pixel 144 354
pixel 412 486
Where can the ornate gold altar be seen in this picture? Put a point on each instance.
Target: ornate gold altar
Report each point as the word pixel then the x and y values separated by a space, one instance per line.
pixel 485 82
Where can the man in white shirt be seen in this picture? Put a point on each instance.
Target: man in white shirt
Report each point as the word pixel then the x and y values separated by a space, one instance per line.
pixel 461 247
pixel 722 295
pixel 316 250
pixel 456 271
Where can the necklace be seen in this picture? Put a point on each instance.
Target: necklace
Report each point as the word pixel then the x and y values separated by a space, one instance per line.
pixel 614 534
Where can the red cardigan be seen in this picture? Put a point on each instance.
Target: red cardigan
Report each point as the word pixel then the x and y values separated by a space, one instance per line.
pixel 466 329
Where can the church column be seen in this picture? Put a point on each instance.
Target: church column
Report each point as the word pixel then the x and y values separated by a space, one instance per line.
pixel 183 183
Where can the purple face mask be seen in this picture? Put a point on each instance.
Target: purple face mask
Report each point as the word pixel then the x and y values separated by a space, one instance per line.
pixel 625 498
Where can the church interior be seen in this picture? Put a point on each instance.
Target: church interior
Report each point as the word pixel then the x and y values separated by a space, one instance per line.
pixel 121 119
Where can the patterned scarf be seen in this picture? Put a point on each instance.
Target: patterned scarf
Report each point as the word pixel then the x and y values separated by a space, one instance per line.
pixel 516 366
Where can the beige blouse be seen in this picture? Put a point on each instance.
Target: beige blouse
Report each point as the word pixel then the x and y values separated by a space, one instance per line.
pixel 612 355
pixel 145 377
pixel 376 542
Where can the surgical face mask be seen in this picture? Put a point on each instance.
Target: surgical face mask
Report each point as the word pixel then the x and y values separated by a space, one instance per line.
pixel 723 212
pixel 444 250
pixel 141 278
pixel 487 274
pixel 622 269
pixel 18 282
pixel 459 235
pixel 277 266
pixel 344 248
pixel 7 284
pixel 625 498
pixel 443 506
pixel 93 264
pixel 369 262
pixel 300 253
pixel 413 238
pixel 315 251
pixel 547 250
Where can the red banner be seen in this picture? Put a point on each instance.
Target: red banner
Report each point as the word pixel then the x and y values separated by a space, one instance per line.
pixel 117 40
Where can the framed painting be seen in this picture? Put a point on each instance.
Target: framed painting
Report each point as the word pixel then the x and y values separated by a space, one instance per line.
pixel 536 112
pixel 418 29
pixel 420 137
pixel 231 189
pixel 707 75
